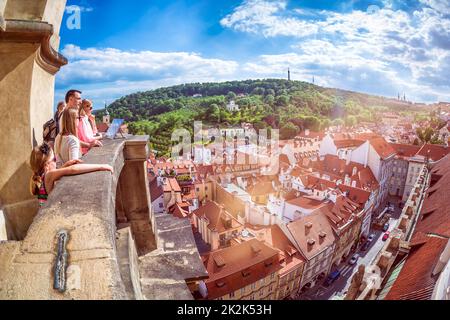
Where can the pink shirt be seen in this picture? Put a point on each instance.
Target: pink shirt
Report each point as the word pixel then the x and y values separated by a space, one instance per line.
pixel 94 125
pixel 85 132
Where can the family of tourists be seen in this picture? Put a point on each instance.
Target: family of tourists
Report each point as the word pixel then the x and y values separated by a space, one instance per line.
pixel 76 133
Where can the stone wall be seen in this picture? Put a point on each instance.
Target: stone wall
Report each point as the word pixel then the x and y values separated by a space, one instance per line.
pixel 103 260
pixel 28 62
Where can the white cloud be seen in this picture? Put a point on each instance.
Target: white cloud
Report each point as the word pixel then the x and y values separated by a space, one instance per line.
pixel 107 74
pixel 383 52
pixel 74 8
pixel 92 64
pixel 442 6
pixel 407 50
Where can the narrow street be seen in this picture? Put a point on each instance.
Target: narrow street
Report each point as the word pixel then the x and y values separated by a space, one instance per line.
pixel 341 285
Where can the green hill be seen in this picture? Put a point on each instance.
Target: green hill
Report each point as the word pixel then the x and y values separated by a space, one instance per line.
pixel 290 106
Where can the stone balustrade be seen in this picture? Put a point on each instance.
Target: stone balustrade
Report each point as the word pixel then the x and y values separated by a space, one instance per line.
pixel 106 260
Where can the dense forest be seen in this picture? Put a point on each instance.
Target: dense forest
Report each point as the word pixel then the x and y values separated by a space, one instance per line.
pixel 291 106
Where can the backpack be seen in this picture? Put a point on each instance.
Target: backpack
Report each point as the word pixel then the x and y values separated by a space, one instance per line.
pixel 50 131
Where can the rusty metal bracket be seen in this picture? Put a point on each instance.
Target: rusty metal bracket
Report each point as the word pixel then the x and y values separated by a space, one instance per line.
pixel 61 263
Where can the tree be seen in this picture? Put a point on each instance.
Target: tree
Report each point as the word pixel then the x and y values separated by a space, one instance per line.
pixel 289 131
pixel 269 99
pixel 337 122
pixel 259 125
pixel 325 124
pixel 426 135
pixel 258 91
pixel 231 96
pixel 282 100
pixel 351 121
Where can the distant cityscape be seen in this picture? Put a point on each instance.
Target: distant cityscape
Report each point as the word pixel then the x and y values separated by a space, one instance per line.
pixel 340 200
pixel 207 188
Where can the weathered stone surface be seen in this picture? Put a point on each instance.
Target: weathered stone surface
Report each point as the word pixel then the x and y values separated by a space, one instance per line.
pixel 83 205
pixel 164 272
pixel 28 61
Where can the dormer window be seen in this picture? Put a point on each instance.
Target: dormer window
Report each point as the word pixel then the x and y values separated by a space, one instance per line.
pixel 245 273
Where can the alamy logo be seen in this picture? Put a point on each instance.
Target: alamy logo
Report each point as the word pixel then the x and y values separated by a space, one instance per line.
pixel 74 17
pixel 73 12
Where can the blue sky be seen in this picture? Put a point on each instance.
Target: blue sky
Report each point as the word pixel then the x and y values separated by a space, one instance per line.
pixel 380 47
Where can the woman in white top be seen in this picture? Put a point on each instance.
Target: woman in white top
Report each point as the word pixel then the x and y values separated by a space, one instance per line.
pixel 67 145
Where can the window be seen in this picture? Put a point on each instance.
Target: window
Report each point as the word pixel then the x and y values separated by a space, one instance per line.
pixel 243 291
pixel 253 286
pixel 232 294
pixel 161 205
pixel 261 292
pixel 245 273
pixel 272 276
pixel 270 288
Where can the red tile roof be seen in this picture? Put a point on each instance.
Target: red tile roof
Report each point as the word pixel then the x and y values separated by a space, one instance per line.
pixel 261 189
pixel 312 234
pixel 171 185
pixel 383 148
pixel 239 266
pixel 434 152
pixel 102 127
pixel 178 210
pixel 415 281
pixel 155 190
pixel 274 237
pixel 306 203
pixel 355 194
pixel 216 215
pixel 430 237
pixel 405 150
pixel 348 143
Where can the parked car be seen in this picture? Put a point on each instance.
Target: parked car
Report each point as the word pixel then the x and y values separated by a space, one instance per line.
pixel 365 246
pixel 386 236
pixel 354 259
pixel 332 278
pixel 371 237
pixel 386 227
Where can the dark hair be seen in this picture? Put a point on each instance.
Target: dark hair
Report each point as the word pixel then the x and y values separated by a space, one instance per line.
pixel 71 93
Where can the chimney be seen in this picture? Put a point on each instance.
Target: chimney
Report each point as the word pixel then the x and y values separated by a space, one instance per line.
pixel 308 227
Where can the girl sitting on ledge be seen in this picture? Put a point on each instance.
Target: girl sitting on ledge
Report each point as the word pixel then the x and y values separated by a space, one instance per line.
pixel 45 174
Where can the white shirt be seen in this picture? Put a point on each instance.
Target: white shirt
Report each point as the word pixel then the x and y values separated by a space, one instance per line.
pixel 67 148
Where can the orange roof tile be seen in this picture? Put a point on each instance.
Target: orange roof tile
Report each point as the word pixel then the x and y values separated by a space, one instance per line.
pixel 217 215
pixel 415 281
pixel 434 152
pixel 239 266
pixel 312 234
pixel 383 148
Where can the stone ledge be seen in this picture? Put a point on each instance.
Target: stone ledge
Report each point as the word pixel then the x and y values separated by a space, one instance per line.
pixel 164 272
pixel 85 206
pixel 34 32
